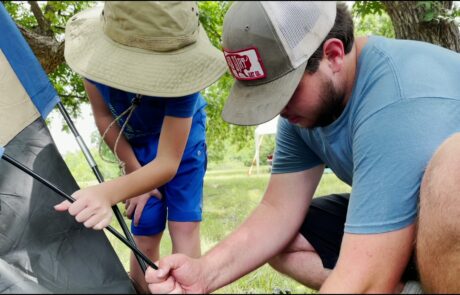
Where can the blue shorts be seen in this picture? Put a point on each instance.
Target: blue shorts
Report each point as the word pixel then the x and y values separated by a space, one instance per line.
pixel 182 197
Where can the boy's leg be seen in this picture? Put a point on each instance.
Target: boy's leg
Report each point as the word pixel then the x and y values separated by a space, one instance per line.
pixel 184 198
pixel 185 238
pixel 438 233
pixel 150 246
pixel 147 235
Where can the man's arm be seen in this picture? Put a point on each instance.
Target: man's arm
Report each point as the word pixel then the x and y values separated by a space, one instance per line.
pixel 371 263
pixel 269 228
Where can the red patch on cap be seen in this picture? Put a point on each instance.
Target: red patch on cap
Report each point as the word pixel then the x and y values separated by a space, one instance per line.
pixel 245 64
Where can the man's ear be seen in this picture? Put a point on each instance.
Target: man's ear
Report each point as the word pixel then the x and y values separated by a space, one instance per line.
pixel 334 53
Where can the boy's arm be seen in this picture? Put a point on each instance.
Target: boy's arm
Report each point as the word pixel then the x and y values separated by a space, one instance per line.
pixel 93 204
pixel 103 117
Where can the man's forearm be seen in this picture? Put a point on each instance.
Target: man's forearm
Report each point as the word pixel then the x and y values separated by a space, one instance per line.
pixel 371 263
pixel 265 233
pixel 269 229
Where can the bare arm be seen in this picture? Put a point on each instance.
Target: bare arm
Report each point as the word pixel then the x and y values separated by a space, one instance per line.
pixel 93 204
pixel 173 138
pixel 163 168
pixel 267 231
pixel 103 117
pixel 371 263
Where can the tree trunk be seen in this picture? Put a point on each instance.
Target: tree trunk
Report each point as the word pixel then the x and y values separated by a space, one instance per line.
pixel 408 23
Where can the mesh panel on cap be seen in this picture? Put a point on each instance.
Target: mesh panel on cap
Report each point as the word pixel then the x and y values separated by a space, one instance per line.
pixel 301 26
pixel 295 21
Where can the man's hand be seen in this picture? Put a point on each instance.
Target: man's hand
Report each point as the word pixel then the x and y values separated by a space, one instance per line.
pixel 136 205
pixel 176 274
pixel 92 207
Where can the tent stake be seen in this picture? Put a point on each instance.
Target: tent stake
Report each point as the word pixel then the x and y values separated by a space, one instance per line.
pixel 70 199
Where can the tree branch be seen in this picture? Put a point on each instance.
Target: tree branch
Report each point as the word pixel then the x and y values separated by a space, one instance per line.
pixel 49 52
pixel 43 25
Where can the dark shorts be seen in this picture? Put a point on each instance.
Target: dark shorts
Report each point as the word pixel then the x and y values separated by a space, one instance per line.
pixel 323 228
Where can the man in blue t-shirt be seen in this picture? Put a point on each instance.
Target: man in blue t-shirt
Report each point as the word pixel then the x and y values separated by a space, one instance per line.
pixel 382 114
pixel 144 65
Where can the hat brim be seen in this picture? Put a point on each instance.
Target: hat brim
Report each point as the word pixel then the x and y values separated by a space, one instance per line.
pixel 92 54
pixel 254 105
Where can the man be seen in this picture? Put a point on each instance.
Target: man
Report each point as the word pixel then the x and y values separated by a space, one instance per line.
pixel 375 111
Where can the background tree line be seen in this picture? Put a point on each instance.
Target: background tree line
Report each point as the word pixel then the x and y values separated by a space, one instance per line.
pixel 43 23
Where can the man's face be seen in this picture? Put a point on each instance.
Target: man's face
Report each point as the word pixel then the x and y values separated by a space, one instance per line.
pixel 315 103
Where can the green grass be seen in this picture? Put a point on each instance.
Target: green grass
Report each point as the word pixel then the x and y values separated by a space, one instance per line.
pixel 229 197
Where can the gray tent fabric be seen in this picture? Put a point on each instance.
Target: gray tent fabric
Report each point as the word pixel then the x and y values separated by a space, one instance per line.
pixel 42 250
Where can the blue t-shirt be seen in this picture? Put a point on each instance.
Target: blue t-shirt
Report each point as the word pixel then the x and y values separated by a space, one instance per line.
pixel 404 104
pixel 144 126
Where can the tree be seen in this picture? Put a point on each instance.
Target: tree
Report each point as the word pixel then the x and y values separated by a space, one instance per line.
pixel 43 22
pixel 429 21
pixel 43 25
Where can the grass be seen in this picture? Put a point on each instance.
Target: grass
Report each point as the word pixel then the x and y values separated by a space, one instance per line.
pixel 229 197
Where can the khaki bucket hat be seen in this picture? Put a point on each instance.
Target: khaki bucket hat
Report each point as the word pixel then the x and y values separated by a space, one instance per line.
pixel 153 48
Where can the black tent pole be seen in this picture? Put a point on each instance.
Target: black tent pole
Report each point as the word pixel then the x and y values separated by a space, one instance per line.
pixel 70 199
pixel 99 177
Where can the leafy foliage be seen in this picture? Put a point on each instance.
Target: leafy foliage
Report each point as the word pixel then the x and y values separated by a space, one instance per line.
pixel 432 10
pixel 20 12
pixel 220 133
pixel 435 11
pixel 67 83
pixel 372 20
pixel 364 8
pixel 70 87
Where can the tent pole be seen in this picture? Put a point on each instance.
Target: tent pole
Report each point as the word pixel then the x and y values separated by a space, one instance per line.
pixel 70 199
pixel 99 177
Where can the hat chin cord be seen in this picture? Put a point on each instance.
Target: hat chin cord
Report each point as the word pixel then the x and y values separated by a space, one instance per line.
pixel 134 103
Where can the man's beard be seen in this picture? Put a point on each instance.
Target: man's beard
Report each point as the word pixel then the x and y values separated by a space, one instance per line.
pixel 332 106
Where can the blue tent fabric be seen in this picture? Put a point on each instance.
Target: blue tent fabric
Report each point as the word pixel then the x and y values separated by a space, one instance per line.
pixel 26 66
pixel 2 149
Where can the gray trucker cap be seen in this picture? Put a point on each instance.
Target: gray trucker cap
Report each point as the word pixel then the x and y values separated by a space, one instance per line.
pixel 267 46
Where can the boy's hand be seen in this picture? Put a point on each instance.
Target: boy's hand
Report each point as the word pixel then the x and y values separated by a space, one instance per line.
pixel 177 274
pixel 92 207
pixel 136 205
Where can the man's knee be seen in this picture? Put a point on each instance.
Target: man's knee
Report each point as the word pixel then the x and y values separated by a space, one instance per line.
pixel 283 260
pixel 277 262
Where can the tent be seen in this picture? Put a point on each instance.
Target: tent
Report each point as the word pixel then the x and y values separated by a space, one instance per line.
pixel 41 250
pixel 266 128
